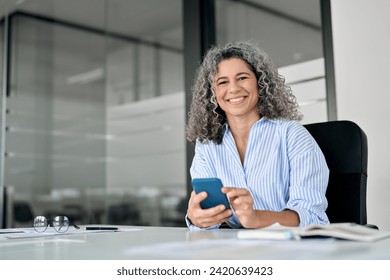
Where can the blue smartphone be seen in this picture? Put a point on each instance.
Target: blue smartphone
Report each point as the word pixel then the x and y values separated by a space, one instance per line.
pixel 212 186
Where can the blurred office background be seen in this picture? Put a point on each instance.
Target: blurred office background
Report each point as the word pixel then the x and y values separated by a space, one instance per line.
pixel 94 95
pixel 94 99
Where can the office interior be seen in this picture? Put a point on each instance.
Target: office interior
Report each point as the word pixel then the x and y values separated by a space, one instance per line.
pixel 94 97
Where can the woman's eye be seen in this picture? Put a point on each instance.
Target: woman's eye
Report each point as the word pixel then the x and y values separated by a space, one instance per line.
pixel 242 78
pixel 222 83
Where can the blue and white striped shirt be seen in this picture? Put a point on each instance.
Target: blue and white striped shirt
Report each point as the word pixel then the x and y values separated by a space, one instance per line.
pixel 283 168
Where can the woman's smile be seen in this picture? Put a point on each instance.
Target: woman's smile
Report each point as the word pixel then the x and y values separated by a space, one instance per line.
pixel 236 100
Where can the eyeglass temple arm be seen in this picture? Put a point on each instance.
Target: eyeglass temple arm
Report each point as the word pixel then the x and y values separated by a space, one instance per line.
pixel 76 226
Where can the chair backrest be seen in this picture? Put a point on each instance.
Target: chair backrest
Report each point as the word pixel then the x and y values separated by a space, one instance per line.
pixel 344 145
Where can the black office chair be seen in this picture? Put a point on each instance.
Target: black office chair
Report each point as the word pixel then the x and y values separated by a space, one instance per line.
pixel 344 145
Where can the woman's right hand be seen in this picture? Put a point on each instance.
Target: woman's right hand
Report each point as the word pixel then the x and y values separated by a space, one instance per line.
pixel 204 218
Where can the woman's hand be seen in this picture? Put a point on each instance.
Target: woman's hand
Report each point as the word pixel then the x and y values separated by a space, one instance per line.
pixel 242 202
pixel 204 218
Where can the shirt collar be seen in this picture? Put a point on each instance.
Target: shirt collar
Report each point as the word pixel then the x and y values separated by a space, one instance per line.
pixel 261 120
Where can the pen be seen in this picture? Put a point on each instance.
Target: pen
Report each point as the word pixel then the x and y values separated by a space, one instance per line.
pixel 101 228
pixel 6 232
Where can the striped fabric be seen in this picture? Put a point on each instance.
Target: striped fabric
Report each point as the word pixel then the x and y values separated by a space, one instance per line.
pixel 283 169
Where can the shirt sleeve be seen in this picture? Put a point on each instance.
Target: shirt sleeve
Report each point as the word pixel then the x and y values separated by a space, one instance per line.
pixel 199 169
pixel 309 175
pixel 192 227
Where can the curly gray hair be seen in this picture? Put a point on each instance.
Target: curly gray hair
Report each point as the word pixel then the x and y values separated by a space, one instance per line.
pixel 206 120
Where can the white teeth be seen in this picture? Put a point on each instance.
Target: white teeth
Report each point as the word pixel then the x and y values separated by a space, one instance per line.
pixel 236 99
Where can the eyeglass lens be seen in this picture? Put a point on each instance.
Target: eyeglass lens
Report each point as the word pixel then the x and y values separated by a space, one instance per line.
pixel 40 224
pixel 60 223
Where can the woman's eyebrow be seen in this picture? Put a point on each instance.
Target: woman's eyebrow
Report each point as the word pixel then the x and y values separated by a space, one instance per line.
pixel 238 74
pixel 246 73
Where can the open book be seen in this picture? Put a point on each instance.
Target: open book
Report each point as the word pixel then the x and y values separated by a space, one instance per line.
pixel 347 231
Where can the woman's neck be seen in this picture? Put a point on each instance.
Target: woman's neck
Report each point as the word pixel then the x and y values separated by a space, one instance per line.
pixel 240 128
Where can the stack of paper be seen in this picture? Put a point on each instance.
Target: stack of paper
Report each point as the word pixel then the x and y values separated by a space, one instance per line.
pixel 347 231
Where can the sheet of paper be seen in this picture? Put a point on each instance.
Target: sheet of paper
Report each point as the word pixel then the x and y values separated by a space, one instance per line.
pixel 17 233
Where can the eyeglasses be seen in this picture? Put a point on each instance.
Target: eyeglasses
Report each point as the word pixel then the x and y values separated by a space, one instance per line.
pixel 60 223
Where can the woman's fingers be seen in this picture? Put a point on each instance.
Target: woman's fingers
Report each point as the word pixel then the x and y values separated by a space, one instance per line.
pixel 206 217
pixel 239 197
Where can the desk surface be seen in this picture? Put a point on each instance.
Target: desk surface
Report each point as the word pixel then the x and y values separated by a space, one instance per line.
pixel 142 243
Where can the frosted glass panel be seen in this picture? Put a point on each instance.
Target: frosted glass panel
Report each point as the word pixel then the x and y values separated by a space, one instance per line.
pixel 95 111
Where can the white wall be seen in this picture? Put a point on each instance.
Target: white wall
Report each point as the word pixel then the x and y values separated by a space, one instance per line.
pixel 361 38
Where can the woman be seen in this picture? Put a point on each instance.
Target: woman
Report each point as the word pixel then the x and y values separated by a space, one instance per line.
pixel 244 121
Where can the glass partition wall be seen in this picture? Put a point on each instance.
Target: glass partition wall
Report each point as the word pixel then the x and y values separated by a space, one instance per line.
pixel 94 125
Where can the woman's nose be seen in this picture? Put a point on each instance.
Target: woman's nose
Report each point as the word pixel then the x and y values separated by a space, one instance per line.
pixel 233 87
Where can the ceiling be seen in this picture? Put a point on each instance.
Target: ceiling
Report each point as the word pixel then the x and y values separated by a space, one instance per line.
pixel 305 10
pixel 127 17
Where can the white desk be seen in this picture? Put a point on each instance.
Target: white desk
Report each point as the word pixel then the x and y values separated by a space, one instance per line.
pixel 144 243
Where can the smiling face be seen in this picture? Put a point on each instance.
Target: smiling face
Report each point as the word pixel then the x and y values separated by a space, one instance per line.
pixel 236 89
